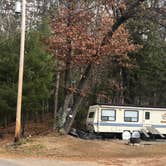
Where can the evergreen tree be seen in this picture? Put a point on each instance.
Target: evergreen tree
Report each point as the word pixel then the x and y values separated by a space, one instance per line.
pixel 146 83
pixel 37 76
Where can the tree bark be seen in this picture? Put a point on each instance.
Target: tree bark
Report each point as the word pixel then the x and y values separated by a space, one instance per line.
pixel 23 123
pixel 77 100
pixel 121 93
pixel 5 121
pixel 43 112
pixel 56 101
pixel 67 79
pixel 154 99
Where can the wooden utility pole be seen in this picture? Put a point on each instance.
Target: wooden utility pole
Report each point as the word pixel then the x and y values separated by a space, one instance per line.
pixel 21 70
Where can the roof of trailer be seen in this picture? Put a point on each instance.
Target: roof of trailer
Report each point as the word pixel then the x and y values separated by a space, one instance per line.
pixel 132 107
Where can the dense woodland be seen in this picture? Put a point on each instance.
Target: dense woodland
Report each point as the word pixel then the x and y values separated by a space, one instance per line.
pixel 79 53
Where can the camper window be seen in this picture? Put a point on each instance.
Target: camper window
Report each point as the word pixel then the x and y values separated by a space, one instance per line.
pixel 91 115
pixel 131 116
pixel 147 115
pixel 108 115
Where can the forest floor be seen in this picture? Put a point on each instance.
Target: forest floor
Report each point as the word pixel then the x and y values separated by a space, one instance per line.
pixel 42 143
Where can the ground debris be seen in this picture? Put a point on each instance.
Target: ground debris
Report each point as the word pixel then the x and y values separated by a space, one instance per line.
pixel 84 134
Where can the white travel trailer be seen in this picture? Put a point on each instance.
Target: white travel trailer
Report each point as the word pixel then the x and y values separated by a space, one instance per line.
pixel 104 119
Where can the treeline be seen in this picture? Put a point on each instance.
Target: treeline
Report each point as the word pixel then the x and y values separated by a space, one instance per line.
pixel 39 68
pixel 142 79
pixel 38 78
pixel 66 66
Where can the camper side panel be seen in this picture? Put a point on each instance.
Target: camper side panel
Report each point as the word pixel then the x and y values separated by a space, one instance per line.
pixel 119 120
pixel 155 118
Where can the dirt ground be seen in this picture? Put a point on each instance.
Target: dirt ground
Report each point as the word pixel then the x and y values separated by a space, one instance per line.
pixel 106 152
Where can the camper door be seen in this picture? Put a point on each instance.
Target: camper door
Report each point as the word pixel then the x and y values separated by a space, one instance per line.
pixel 146 117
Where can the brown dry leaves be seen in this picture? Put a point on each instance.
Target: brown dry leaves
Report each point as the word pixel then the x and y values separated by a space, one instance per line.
pixel 82 31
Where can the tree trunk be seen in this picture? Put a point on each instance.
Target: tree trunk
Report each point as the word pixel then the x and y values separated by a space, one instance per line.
pixel 77 100
pixel 154 99
pixel 121 95
pixel 67 79
pixel 23 123
pixel 5 121
pixel 43 112
pixel 56 101
pixel 36 116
